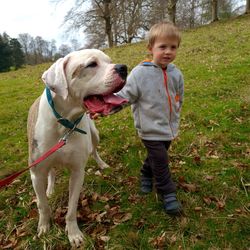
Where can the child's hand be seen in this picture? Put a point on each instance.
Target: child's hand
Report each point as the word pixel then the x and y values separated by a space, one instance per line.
pixel 95 116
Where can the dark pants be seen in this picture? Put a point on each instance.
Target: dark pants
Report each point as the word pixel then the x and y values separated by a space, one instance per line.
pixel 156 166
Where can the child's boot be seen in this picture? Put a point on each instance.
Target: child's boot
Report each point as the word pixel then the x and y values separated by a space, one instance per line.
pixel 171 205
pixel 146 184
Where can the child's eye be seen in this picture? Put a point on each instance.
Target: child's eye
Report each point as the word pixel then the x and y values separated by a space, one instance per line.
pixel 173 47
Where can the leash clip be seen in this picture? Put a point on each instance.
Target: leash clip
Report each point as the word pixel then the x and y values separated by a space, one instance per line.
pixel 67 134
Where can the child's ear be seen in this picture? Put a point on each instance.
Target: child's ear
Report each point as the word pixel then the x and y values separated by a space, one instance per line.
pixel 150 49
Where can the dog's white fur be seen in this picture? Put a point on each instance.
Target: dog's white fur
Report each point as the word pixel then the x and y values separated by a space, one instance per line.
pixel 71 79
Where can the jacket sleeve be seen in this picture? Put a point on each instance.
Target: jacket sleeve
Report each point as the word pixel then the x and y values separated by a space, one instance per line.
pixel 130 90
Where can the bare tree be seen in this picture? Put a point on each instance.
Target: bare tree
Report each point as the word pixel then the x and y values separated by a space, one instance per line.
pixel 104 10
pixel 36 50
pixel 226 8
pixel 52 49
pixel 25 40
pixel 172 10
pixel 128 20
pixel 192 14
pixel 120 21
pixel 64 49
pixel 107 18
pixel 247 6
pixel 75 45
pixel 215 10
pixel 90 18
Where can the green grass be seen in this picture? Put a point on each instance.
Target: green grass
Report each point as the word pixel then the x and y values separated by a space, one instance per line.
pixel 211 154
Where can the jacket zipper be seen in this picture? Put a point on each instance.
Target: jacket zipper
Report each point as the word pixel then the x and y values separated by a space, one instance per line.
pixel 168 95
pixel 169 98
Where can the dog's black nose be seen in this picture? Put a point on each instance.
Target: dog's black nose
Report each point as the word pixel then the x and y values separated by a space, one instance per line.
pixel 122 70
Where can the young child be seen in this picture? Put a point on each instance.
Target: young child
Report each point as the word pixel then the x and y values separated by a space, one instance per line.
pixel 155 91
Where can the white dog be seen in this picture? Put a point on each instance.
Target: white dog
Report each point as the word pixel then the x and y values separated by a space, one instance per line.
pixel 81 81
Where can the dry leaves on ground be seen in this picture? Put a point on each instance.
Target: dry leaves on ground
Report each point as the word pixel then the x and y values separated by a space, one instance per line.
pixel 188 187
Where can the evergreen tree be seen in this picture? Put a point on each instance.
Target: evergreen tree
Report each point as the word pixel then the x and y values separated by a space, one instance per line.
pixel 18 58
pixel 5 54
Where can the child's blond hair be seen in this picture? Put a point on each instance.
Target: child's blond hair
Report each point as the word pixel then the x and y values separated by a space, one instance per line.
pixel 163 29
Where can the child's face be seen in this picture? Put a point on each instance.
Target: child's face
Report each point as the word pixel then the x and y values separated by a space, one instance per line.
pixel 164 51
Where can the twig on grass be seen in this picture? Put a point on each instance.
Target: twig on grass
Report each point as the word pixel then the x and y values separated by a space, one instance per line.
pixel 244 186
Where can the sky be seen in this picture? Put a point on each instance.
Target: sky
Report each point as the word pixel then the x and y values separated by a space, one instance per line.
pixel 36 17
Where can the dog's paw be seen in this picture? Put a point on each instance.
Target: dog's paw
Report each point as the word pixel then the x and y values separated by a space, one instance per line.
pixel 103 165
pixel 42 229
pixel 43 225
pixel 49 191
pixel 75 236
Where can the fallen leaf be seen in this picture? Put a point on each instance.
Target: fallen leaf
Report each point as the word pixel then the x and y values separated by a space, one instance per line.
pixel 105 238
pixel 1 214
pixel 121 217
pixel 220 205
pixel 95 196
pixel 135 199
pixel 173 239
pixel 159 242
pixel 100 216
pixel 84 202
pixel 187 186
pixel 99 230
pixel 209 177
pixel 60 216
pixel 130 181
pixel 113 210
pixel 98 173
pixel 197 209
pixel 140 224
pixel 207 200
pixel 238 210
pixel 10 244
pixel 197 160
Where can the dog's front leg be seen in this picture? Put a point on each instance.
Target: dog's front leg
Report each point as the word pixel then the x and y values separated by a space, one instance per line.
pixel 75 184
pixel 39 181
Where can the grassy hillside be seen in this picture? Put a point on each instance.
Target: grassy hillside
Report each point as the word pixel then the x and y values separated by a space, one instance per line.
pixel 209 159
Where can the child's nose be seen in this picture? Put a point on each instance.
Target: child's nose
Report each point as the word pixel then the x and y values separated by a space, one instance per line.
pixel 167 50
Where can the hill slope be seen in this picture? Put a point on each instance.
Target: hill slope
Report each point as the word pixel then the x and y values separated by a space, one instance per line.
pixel 209 159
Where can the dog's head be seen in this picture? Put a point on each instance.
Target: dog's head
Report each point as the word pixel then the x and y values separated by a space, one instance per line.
pixel 87 76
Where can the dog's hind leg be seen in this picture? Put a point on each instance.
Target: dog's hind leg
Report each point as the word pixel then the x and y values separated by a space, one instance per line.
pixel 51 182
pixel 39 181
pixel 95 141
pixel 101 164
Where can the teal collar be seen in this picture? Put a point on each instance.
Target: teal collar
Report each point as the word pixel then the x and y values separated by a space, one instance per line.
pixel 65 122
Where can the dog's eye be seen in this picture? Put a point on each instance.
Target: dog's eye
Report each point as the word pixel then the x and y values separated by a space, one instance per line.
pixel 91 65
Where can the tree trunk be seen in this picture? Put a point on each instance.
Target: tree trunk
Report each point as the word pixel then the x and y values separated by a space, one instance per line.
pixel 172 10
pixel 108 25
pixel 215 10
pixel 247 6
pixel 192 15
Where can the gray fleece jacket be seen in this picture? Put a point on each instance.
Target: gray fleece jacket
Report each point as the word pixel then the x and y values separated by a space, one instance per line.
pixel 156 97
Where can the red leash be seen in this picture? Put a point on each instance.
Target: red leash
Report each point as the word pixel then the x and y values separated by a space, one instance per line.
pixel 9 179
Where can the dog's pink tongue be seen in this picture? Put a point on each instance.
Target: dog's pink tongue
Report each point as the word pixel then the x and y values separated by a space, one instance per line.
pixel 94 104
pixel 104 105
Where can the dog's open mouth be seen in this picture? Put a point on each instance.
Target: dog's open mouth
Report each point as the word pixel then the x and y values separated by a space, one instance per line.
pixel 104 104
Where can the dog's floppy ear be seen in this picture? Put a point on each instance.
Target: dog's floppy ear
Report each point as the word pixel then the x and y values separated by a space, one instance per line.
pixel 55 77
